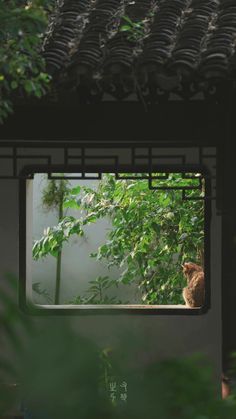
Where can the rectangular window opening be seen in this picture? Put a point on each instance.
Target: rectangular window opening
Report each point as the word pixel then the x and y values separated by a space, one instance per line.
pixel 116 241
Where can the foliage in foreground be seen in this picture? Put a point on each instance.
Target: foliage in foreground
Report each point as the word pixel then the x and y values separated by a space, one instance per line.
pixel 22 68
pixel 152 234
pixel 61 373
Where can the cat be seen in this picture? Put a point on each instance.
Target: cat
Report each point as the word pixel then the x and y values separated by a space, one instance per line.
pixel 194 293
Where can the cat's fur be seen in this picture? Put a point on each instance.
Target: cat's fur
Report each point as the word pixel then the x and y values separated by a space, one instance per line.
pixel 194 293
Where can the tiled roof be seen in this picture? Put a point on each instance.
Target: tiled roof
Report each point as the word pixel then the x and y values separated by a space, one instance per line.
pixel 122 46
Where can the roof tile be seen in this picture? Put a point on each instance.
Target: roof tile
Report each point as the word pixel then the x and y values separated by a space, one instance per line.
pixel 103 43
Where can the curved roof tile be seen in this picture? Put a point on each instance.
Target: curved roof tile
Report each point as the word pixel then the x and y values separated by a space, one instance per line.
pixel 115 45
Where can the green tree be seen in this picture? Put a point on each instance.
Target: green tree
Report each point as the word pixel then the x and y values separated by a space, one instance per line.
pixel 22 67
pixel 53 197
pixel 152 234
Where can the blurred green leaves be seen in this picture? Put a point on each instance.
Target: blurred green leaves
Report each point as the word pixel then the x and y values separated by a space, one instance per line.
pixel 22 67
pixel 57 372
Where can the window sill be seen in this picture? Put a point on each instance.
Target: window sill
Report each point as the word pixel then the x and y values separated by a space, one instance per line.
pixel 112 306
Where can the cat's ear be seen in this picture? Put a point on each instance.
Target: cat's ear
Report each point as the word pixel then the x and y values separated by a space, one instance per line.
pixel 185 265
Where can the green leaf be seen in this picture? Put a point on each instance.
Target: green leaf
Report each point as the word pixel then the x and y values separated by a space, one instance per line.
pixel 38 92
pixel 138 25
pixel 71 203
pixel 92 218
pixel 156 227
pixel 127 19
pixel 76 190
pixel 125 28
pixel 183 236
pixel 28 86
pixel 14 84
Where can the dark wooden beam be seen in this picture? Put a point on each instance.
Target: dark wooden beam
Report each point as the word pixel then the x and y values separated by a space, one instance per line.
pixel 198 122
pixel 228 181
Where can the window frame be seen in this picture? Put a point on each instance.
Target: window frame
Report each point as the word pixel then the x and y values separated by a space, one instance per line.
pixel 27 307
